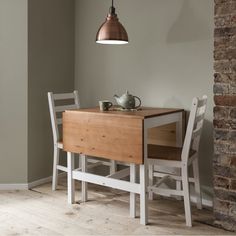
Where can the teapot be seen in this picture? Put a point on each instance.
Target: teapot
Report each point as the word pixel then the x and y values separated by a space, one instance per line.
pixel 127 101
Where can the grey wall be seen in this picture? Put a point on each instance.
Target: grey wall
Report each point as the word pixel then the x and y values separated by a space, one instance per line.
pixel 36 56
pixel 168 61
pixel 13 91
pixel 51 68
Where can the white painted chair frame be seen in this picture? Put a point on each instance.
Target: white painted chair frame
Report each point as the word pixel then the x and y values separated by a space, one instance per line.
pixel 191 141
pixel 57 141
pixel 55 122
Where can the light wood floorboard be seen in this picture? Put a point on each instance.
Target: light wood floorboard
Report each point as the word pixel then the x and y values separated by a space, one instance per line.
pixel 41 211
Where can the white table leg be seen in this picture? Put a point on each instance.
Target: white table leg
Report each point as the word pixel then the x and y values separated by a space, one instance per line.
pixel 84 184
pixel 113 167
pixel 132 195
pixel 143 195
pixel 70 180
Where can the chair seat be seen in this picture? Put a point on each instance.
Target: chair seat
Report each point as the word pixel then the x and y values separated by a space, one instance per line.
pixel 166 152
pixel 60 144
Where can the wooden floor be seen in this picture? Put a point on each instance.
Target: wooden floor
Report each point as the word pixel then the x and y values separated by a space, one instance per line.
pixel 42 212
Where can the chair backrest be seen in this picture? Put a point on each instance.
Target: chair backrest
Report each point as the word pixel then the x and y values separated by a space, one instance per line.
pixel 194 128
pixel 56 110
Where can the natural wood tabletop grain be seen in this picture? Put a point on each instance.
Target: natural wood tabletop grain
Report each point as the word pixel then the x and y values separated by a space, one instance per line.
pixel 143 113
pixel 115 135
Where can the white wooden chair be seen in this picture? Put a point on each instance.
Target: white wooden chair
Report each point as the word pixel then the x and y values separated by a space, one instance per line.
pixel 180 158
pixel 56 121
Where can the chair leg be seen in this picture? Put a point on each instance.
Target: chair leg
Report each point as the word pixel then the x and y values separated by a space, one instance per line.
pixel 132 195
pixel 150 180
pixel 55 170
pixel 197 183
pixel 143 195
pixel 84 186
pixel 113 167
pixel 187 206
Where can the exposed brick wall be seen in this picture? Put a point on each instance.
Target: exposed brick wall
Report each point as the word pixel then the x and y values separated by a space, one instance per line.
pixel 224 165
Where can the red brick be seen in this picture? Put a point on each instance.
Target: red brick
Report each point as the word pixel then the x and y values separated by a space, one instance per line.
pixel 233 66
pixel 222 66
pixel 221 88
pixel 233 161
pixel 223 43
pixel 226 41
pixel 232 136
pixel 221 147
pixel 225 194
pixel 220 1
pixel 232 210
pixel 221 174
pixel 232 41
pixel 233 184
pixel 225 54
pixel 221 182
pixel 232 113
pixel 224 221
pixel 224 124
pixel 221 134
pixel 232 78
pixel 223 21
pixel 222 78
pixel 228 100
pixel 232 172
pixel 232 146
pixel 232 89
pixel 225 160
pixel 221 206
pixel 221 112
pixel 224 8
pixel 224 32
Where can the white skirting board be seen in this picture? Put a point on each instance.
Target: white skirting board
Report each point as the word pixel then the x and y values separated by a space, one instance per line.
pixel 39 182
pixel 205 202
pixel 207 195
pixel 29 185
pixel 13 187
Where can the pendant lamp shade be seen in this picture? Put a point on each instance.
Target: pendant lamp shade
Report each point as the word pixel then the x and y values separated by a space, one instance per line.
pixel 112 31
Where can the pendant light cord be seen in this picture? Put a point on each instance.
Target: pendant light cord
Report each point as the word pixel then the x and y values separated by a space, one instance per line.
pixel 112 9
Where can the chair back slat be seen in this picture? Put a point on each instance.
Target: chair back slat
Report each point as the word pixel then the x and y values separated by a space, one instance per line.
pixel 63 96
pixel 202 102
pixel 196 132
pixel 194 128
pixel 199 118
pixel 65 107
pixel 55 110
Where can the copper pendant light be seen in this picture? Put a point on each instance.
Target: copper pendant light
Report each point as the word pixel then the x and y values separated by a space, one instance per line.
pixel 112 31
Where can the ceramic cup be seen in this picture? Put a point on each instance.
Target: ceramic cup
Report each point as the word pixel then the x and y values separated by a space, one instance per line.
pixel 105 105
